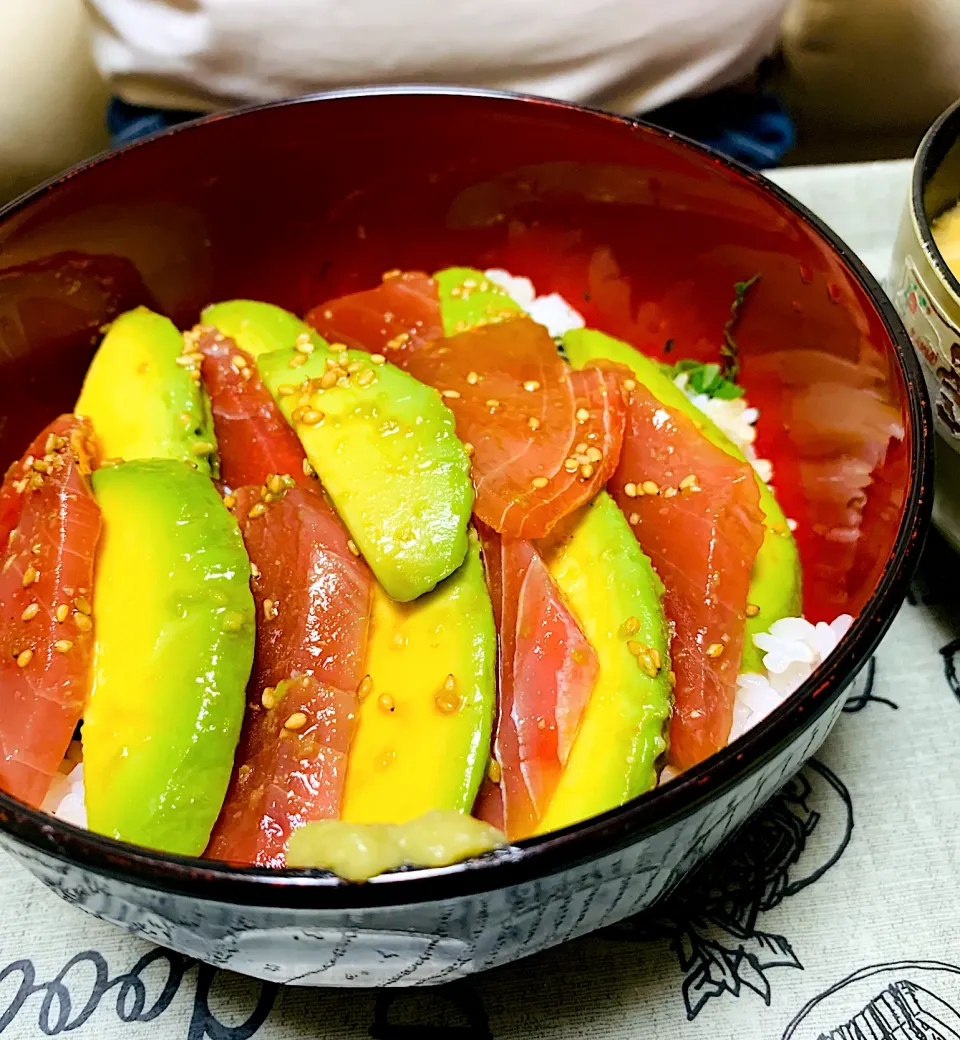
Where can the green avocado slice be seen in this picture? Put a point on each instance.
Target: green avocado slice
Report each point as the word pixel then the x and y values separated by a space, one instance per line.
pixel 434 662
pixel 776 585
pixel 468 298
pixel 616 596
pixel 383 444
pixel 143 401
pixel 174 626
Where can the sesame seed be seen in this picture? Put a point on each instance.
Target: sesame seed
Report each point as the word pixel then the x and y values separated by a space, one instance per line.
pixel 648 487
pixel 30 576
pixel 83 623
pixel 630 490
pixel 473 378
pixel 296 721
pixel 631 626
pixel 257 509
pixel 343 358
pixel 447 703
pixel 752 610
pixel 41 466
pixel 63 646
pixel 352 546
pixel 792 524
pixel 185 361
pixel 534 423
pixel 581 448
pixel 24 658
pixel 365 688
pixel 202 448
pixel 270 610
pixel 634 647
pixel 540 482
pixel 634 518
pixel 715 650
pixel 468 448
pixel 586 470
pixel 308 470
pixel 571 465
pixel 53 443
pixel 254 570
pixel 582 415
pixel 61 613
pixel 669 492
pixel 493 404
pixel 494 772
pixel 394 272
pixel 329 379
pixel 366 378
pixel 273 483
pixel 286 390
pixel 238 361
pixel 304 344
pixel 311 417
pixel 450 393
pixel 82 604
pixel 378 359
pixel 594 454
pixel 30 612
pixel 386 703
pixel 629 384
pixel 531 385
pixel 297 360
pixel 229 501
pixel 688 483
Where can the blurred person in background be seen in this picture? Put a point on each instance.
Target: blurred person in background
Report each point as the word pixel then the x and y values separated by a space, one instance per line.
pixel 171 60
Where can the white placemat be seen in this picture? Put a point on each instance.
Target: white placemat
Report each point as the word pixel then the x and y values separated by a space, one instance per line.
pixel 834 916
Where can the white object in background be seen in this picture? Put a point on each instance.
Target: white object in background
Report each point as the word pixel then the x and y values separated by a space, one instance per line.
pixel 52 99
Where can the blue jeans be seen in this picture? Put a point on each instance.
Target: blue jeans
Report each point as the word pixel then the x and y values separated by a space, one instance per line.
pixel 754 128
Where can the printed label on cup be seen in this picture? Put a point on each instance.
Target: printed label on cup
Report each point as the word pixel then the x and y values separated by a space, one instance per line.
pixel 937 341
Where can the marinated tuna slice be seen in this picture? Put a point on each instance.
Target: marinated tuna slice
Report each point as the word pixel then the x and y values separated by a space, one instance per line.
pixel 253 437
pixel 547 672
pixel 544 438
pixel 392 319
pixel 50 533
pixel 695 512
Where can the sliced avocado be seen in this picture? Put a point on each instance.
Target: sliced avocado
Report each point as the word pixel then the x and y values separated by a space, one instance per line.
pixel 616 596
pixel 256 328
pixel 776 584
pixel 386 450
pixel 468 298
pixel 174 626
pixel 143 403
pixel 423 738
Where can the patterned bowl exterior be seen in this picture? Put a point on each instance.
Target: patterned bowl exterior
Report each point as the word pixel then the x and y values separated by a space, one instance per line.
pixel 436 942
pixel 301 201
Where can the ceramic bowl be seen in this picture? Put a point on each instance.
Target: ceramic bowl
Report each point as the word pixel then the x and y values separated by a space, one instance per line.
pixel 926 294
pixel 646 234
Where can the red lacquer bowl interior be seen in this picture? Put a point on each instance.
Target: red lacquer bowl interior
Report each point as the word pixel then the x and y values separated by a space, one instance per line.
pixel 643 233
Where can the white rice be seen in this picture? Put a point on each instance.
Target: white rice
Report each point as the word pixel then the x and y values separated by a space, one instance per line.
pixel 736 419
pixel 793 647
pixel 65 797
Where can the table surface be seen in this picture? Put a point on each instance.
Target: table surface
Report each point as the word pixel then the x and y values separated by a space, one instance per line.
pixel 834 916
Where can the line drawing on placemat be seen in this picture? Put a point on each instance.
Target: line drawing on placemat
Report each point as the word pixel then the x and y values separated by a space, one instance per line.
pixel 712 921
pixel 885 1002
pixel 69 1003
pixel 858 701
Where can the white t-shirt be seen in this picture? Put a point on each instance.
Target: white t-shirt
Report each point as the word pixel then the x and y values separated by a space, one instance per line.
pixel 624 55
